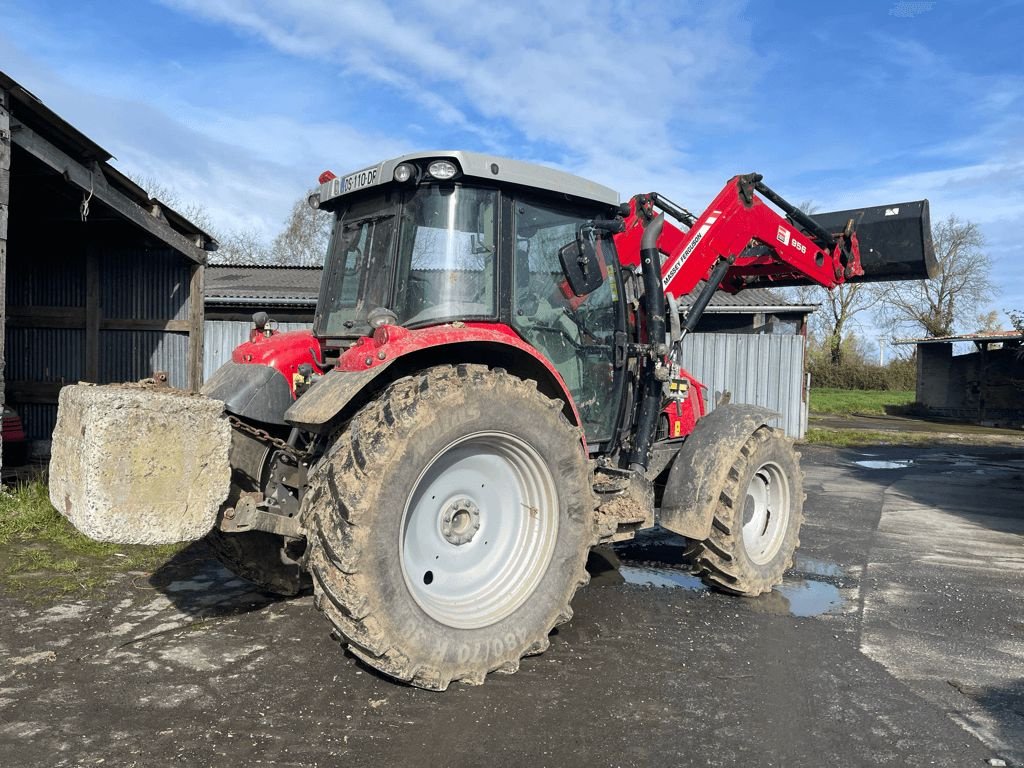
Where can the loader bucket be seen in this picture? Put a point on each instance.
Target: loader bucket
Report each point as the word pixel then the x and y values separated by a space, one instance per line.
pixel 895 240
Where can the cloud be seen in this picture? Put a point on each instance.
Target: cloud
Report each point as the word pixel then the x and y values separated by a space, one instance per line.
pixel 848 109
pixel 908 9
pixel 244 170
pixel 610 85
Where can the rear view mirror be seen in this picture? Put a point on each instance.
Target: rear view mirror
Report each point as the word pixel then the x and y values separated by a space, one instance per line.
pixel 581 266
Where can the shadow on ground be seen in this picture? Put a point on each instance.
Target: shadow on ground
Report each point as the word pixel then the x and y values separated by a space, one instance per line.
pixel 198 586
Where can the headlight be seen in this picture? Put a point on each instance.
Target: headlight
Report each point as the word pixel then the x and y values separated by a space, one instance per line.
pixel 404 172
pixel 442 170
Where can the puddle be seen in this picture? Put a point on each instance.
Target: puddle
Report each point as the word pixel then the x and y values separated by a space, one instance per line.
pixel 817 567
pixel 880 464
pixel 661 577
pixel 810 598
pixel 190 585
pixel 800 597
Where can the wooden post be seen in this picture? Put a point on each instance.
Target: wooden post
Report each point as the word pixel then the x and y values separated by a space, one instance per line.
pixel 196 314
pixel 5 196
pixel 92 315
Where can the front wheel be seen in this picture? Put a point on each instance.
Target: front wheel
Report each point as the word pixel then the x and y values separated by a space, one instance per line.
pixel 756 527
pixel 450 525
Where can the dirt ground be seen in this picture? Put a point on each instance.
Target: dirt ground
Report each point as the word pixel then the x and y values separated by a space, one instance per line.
pixel 898 639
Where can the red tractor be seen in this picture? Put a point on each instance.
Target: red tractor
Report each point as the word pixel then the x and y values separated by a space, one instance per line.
pixel 491 387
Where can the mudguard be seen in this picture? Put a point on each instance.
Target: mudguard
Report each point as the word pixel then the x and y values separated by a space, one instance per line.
pixel 254 391
pixel 328 396
pixel 702 465
pixel 488 343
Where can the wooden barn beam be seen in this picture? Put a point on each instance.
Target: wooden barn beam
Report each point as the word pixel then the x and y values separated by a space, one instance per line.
pixel 92 315
pixel 196 313
pixel 5 197
pixel 92 179
pixel 75 318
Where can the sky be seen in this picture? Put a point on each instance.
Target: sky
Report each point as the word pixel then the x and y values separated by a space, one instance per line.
pixel 238 105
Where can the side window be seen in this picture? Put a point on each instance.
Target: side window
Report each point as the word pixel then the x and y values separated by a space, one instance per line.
pixel 575 333
pixel 354 240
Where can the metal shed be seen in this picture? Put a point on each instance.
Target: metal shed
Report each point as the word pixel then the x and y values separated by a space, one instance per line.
pixel 984 385
pixel 752 344
pixel 100 282
pixel 234 293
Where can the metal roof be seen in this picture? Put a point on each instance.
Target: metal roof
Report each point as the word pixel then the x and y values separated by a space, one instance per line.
pixel 749 300
pixel 983 337
pixel 272 284
pixel 29 110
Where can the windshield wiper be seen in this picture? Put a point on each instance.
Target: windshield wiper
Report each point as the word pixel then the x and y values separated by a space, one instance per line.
pixel 367 220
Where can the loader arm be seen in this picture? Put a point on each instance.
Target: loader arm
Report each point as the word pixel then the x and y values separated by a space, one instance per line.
pixel 765 248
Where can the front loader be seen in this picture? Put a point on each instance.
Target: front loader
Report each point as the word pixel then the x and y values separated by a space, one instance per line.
pixel 491 387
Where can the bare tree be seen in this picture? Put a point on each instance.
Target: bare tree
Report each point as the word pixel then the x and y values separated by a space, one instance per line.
pixel 834 321
pixel 838 308
pixel 303 242
pixel 937 307
pixel 240 249
pixel 163 194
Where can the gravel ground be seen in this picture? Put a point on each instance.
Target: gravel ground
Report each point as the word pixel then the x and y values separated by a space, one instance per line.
pixel 898 639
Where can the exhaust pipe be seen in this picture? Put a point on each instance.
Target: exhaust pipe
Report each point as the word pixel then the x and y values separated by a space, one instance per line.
pixel 654 298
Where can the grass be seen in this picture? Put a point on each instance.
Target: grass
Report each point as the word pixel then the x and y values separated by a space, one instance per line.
pixel 843 402
pixel 859 438
pixel 43 557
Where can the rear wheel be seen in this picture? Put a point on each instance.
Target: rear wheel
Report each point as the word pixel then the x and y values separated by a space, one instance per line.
pixel 756 528
pixel 450 526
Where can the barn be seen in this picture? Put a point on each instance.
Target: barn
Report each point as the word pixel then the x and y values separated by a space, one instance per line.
pixel 99 281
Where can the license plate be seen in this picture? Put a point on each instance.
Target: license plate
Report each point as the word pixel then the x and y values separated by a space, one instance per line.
pixel 365 178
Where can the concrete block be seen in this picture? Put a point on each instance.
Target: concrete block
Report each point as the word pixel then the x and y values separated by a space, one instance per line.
pixel 139 465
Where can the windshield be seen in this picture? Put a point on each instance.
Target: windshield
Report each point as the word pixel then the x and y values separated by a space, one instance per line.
pixel 443 240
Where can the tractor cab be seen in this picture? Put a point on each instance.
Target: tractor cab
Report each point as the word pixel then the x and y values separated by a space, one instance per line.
pixel 433 239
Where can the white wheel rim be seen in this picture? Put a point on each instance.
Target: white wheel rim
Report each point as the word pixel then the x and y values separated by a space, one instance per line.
pixel 766 511
pixel 479 530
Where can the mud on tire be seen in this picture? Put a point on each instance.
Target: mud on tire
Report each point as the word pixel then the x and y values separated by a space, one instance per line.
pixel 397 493
pixel 756 527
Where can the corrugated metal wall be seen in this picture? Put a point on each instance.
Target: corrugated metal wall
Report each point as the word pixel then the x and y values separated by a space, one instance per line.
pixel 134 355
pixel 144 284
pixel 220 337
pixel 135 284
pixel 758 369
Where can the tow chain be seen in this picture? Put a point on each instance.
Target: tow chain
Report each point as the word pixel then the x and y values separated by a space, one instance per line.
pixel 263 436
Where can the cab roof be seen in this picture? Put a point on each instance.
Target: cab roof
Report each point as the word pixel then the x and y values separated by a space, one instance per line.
pixel 474 165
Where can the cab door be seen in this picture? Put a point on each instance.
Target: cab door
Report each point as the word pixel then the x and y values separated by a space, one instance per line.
pixel 576 333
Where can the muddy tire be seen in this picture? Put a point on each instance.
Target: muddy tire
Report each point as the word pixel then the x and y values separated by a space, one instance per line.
pixel 449 526
pixel 756 528
pixel 256 556
pixel 259 557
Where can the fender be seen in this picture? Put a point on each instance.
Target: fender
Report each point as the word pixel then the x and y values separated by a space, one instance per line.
pixel 394 351
pixel 259 382
pixel 251 390
pixel 702 465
